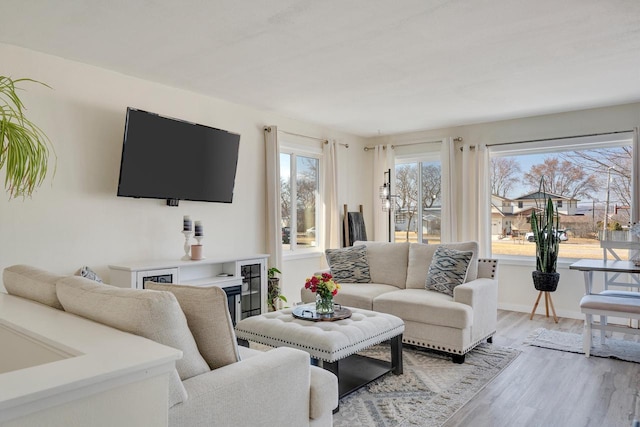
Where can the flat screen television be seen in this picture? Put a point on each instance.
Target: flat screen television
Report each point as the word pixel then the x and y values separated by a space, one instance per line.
pixel 166 158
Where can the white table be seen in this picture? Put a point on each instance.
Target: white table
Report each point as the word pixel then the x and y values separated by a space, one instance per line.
pixel 588 266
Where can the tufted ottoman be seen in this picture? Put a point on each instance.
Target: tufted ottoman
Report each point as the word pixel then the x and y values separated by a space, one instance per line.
pixel 332 345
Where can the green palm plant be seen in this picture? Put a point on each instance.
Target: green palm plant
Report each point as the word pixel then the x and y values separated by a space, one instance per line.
pixel 24 147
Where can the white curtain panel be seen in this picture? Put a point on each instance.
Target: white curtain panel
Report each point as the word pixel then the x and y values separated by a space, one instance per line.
pixel 635 178
pixel 383 160
pixel 449 214
pixel 274 219
pixel 331 213
pixel 476 197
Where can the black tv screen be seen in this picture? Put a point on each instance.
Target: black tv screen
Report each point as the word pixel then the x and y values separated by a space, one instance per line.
pixel 165 158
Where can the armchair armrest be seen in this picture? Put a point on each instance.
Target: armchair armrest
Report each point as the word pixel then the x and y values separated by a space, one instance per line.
pixel 324 393
pixel 272 388
pixel 481 295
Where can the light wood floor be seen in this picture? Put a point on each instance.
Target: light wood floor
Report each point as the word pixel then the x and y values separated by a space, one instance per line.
pixel 552 388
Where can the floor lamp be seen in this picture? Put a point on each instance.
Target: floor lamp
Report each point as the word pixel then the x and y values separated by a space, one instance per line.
pixel 387 198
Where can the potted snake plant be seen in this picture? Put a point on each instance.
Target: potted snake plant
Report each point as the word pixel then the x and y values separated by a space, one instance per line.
pixel 24 147
pixel 545 224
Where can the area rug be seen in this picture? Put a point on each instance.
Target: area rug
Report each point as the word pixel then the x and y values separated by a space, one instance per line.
pixel 567 341
pixel 429 392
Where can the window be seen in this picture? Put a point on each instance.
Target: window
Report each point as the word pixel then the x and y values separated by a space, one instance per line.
pixel 417 202
pixel 589 179
pixel 300 198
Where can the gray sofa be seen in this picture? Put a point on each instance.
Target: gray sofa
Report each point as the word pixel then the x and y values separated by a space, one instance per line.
pixel 398 273
pixel 216 383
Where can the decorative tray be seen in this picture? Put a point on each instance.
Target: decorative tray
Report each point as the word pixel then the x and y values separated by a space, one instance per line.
pixel 308 312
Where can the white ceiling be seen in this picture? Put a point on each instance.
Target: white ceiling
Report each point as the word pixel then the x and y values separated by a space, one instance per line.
pixel 362 66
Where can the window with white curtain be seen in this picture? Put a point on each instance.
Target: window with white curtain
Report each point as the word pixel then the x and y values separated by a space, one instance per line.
pixel 417 202
pixel 588 178
pixel 300 197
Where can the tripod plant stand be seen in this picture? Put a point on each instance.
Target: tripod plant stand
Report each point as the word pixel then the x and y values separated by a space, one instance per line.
pixel 547 302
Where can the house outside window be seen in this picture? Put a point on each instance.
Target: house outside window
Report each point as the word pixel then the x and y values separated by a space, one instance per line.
pixel 418 206
pixel 300 199
pixel 584 171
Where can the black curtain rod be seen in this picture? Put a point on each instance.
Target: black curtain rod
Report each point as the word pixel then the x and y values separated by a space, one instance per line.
pixel 559 138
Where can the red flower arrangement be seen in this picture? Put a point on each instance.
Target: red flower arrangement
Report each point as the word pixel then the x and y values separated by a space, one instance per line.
pixel 322 284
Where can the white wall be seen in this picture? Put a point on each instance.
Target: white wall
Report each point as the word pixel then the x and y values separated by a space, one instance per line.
pixel 75 219
pixel 516 290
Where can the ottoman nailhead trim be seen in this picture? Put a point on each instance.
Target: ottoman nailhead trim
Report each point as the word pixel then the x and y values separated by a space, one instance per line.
pixel 370 341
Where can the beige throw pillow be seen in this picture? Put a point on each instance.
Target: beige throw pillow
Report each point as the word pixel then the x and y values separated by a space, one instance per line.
pixel 208 318
pixel 387 262
pixel 151 314
pixel 32 283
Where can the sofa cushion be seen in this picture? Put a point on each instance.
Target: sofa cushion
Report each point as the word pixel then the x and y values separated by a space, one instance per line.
pixel 151 314
pixel 357 295
pixel 388 262
pixel 32 283
pixel 422 306
pixel 349 265
pixel 448 269
pixel 209 320
pixel 420 256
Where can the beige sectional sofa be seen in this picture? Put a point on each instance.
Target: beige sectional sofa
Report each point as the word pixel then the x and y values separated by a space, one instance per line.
pixel 216 383
pixel 398 274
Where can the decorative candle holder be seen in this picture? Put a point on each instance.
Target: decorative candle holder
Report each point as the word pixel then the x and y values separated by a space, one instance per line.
pixel 187 246
pixel 199 239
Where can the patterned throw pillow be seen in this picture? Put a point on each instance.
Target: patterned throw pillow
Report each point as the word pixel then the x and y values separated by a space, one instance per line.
pixel 448 269
pixel 89 274
pixel 349 265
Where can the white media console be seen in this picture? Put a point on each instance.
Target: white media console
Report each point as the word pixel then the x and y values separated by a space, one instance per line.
pixel 243 278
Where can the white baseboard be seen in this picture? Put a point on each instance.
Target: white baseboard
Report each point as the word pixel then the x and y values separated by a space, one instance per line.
pixel 566 314
pixel 527 309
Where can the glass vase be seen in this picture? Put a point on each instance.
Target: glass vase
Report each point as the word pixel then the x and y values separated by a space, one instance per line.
pixel 324 304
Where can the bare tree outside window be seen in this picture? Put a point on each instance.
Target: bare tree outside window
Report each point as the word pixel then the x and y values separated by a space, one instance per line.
pixel 431 184
pixel 417 203
pixel 579 182
pixel 506 173
pixel 563 177
pixel 299 200
pixel 406 191
pixel 307 195
pixel 598 162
